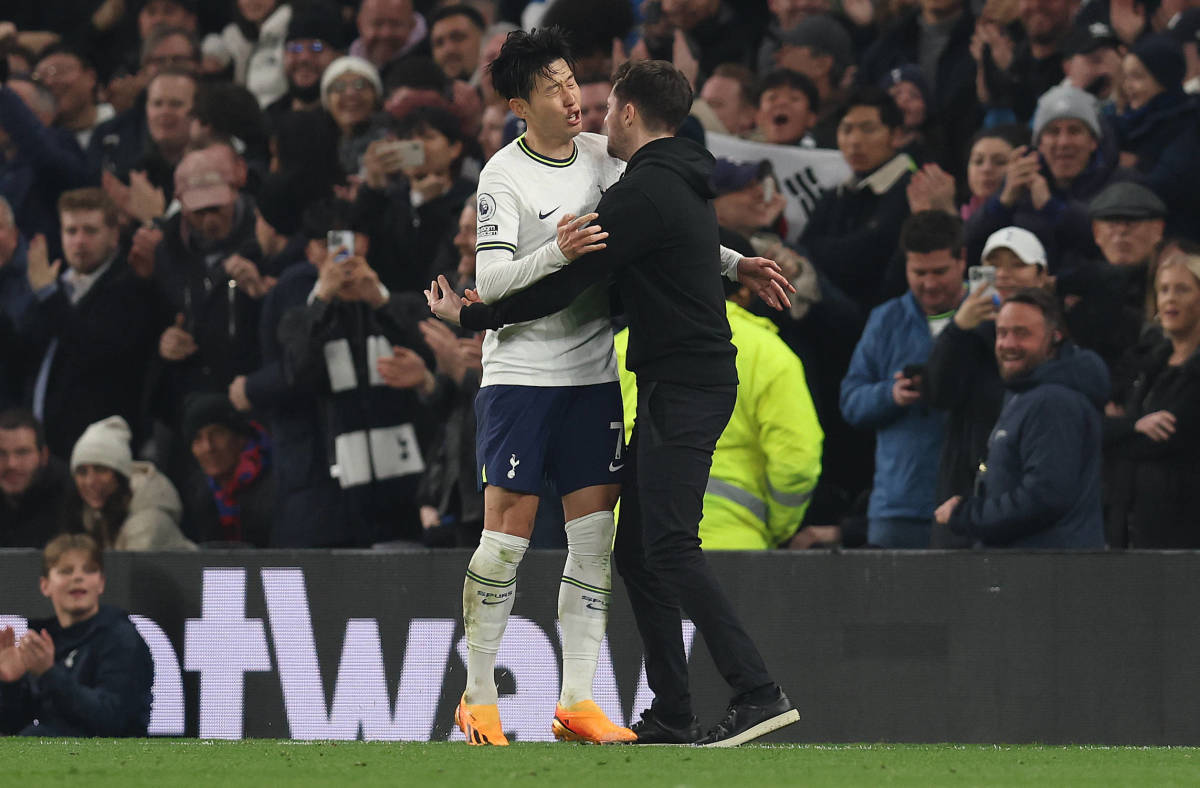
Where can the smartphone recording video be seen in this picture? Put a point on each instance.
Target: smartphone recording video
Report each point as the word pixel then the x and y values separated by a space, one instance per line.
pixel 408 153
pixel 981 278
pixel 341 242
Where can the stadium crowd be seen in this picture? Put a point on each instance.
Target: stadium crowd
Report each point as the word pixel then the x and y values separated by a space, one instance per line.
pixel 217 220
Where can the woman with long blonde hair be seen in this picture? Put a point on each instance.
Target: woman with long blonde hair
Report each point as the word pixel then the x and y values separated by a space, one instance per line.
pixel 1153 438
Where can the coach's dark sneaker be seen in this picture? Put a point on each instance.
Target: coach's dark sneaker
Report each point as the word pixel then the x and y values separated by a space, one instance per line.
pixel 652 730
pixel 747 721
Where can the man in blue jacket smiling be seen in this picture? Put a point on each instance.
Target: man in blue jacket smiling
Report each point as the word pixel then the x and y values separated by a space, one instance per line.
pixel 1040 484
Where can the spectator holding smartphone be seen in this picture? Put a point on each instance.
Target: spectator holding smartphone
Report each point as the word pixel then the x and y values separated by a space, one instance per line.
pixel 883 390
pixel 412 197
pixel 84 672
pixel 1046 189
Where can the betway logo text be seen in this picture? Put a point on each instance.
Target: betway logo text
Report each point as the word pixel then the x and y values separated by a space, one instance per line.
pixel 223 645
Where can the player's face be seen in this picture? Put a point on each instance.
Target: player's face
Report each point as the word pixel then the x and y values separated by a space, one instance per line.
pixel 553 109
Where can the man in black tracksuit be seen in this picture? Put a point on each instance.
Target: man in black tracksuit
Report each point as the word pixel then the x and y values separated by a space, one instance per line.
pixel 662 253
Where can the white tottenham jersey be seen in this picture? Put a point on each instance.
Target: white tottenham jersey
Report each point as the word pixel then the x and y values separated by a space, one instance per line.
pixel 522 197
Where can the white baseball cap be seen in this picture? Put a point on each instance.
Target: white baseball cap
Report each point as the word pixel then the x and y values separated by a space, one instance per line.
pixel 1024 244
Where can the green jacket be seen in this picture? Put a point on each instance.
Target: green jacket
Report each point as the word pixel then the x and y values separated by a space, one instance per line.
pixel 768 460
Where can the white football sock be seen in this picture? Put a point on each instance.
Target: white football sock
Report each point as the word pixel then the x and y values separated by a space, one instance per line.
pixel 488 594
pixel 583 597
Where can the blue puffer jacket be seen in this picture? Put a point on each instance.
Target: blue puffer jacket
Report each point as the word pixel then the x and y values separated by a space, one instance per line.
pixel 1041 484
pixel 908 440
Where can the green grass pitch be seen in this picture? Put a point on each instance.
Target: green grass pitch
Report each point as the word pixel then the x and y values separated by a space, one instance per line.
pixel 98 763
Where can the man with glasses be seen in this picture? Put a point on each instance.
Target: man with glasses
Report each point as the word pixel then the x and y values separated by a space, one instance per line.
pixel 313 42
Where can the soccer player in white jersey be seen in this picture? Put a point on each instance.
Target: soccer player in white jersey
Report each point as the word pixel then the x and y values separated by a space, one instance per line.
pixel 549 405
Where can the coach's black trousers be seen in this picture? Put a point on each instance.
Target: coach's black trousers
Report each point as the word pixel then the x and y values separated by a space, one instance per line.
pixel 657 547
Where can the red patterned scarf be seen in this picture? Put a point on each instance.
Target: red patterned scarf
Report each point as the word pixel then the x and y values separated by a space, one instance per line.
pixel 254 460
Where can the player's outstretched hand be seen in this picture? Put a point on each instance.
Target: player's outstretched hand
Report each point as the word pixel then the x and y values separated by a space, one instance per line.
pixel 443 302
pixel 766 280
pixel 576 238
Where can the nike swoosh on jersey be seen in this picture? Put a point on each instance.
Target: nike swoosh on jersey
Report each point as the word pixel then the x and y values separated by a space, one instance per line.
pixel 547 213
pixel 614 468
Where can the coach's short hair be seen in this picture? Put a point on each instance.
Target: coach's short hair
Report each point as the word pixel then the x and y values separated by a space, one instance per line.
pixel 661 93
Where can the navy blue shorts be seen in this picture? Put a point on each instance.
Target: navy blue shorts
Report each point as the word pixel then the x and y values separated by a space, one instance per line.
pixel 572 435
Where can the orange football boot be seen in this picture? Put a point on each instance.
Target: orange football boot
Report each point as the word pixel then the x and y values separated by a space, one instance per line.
pixel 585 722
pixel 480 724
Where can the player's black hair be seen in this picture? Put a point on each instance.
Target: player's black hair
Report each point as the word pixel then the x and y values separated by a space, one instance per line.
pixel 786 77
pixel 661 93
pixel 932 231
pixel 871 96
pixel 524 57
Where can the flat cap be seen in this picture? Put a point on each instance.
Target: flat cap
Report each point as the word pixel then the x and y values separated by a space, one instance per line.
pixel 1126 200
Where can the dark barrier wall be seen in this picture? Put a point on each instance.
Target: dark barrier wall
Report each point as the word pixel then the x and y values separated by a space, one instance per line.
pixel 873 646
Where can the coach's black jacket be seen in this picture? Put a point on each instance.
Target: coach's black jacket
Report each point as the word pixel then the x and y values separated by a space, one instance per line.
pixel 99 685
pixel 663 252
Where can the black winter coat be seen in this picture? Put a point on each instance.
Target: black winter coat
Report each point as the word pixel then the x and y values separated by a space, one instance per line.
pixel 1165 136
pixel 99 685
pixel 37 516
pixel 308 511
pixel 955 104
pixel 851 236
pixel 223 320
pixel 103 346
pixel 961 378
pixel 1152 489
pixel 405 241
pixel 376 437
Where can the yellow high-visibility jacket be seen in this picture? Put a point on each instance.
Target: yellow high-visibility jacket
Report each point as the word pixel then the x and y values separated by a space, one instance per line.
pixel 768 460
